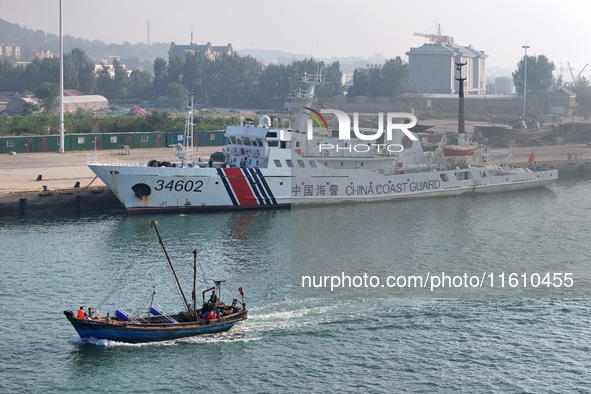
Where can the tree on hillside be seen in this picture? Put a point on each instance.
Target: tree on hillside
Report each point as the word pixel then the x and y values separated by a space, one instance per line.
pixel 233 80
pixel 79 71
pixel 47 93
pixel 113 84
pixel 175 70
pixel 193 73
pixel 140 84
pixel 367 82
pixel 539 75
pixel 274 85
pixel 39 71
pixel 178 95
pixel 9 76
pixel 120 79
pixel 333 81
pixel 361 83
pixel 104 82
pixel 580 86
pixel 160 77
pixel 390 79
pixel 395 75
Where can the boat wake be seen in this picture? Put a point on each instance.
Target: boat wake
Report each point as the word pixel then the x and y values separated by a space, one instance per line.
pixel 285 316
pixel 232 336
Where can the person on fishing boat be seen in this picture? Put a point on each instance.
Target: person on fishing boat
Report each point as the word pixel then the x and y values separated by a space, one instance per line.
pixel 81 314
pixel 214 298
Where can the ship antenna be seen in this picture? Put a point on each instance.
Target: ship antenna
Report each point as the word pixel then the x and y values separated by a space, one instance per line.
pixel 461 122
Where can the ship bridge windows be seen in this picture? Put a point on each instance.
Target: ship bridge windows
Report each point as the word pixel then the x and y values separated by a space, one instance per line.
pixel 444 177
pixel 463 175
pixel 289 163
pixel 246 141
pixel 273 143
pixel 277 163
pixel 312 164
pixel 259 142
pixel 232 140
pixel 271 134
pixel 301 163
pixel 239 141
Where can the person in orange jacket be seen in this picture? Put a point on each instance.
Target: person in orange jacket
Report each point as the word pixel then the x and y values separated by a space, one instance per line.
pixel 81 314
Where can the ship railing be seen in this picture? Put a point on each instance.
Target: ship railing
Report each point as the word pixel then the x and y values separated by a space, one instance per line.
pixel 484 155
pixel 332 153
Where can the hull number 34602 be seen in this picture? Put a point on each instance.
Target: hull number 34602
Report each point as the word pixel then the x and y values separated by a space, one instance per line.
pixel 179 186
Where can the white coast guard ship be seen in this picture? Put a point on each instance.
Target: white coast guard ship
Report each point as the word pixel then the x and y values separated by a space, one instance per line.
pixel 268 167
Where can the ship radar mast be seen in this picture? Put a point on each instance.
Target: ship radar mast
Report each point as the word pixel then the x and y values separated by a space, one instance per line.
pixel 303 96
pixel 185 151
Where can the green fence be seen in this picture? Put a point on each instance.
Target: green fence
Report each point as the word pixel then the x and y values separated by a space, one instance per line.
pixel 103 141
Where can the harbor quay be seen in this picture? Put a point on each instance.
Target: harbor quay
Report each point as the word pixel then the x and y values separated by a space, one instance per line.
pixel 32 171
pixel 46 183
pixel 35 184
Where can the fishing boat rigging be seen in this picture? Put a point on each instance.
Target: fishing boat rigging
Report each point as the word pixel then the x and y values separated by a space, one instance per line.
pixel 156 325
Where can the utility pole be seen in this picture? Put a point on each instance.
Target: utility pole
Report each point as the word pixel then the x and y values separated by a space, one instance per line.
pixel 62 131
pixel 524 78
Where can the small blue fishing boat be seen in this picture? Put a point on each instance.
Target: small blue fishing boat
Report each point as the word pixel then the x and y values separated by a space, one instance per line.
pixel 213 316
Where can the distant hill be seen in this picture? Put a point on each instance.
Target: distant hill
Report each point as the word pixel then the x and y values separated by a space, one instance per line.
pixel 32 41
pixel 143 55
pixel 348 64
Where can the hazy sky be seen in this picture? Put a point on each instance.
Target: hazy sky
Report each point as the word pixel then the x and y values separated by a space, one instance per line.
pixel 561 30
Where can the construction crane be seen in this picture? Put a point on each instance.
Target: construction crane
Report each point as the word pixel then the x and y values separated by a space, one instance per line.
pixel 437 38
pixel 573 75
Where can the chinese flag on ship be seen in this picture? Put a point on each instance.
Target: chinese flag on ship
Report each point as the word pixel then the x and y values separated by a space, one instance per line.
pixel 532 157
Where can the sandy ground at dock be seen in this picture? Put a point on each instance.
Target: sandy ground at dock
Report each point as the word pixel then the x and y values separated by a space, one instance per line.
pixel 62 170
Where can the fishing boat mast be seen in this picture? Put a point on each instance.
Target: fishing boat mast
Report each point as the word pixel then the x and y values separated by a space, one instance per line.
pixel 194 293
pixel 176 279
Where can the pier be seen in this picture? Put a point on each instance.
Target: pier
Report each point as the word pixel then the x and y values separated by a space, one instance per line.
pixel 55 183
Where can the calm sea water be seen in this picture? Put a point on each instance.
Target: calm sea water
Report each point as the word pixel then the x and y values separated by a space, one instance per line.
pixel 295 343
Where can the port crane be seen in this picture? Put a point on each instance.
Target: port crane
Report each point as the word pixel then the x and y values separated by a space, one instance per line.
pixel 437 38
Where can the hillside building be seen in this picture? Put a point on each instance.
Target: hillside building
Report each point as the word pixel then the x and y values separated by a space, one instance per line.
pixel 10 51
pixel 20 105
pixel 72 104
pixel 87 103
pixel 209 51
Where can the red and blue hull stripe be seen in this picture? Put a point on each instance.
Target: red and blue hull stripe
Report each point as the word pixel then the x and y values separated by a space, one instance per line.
pixel 246 187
